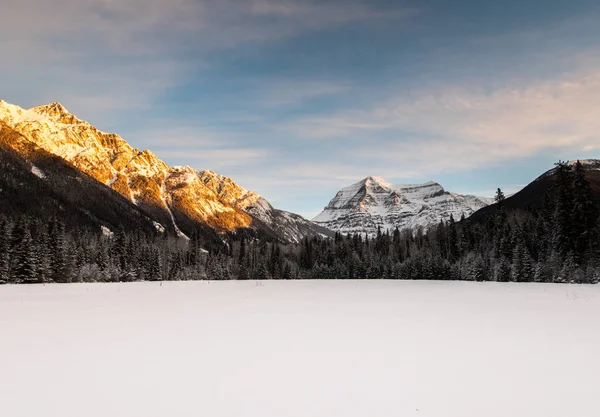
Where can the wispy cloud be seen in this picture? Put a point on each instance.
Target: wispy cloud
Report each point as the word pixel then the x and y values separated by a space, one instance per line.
pixel 99 55
pixel 217 159
pixel 200 148
pixel 245 87
pixel 297 91
pixel 462 128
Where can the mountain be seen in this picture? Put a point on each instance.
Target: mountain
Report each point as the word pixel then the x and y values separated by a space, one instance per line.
pixel 41 185
pixel 534 194
pixel 175 199
pixel 375 203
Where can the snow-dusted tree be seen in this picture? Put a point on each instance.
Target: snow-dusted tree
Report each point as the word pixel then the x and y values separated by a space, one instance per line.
pixel 562 238
pixel 540 273
pixel 584 215
pixel 502 270
pixel 499 198
pixel 566 272
pixel 522 269
pixel 478 270
pixel 24 259
pixel 58 270
pixel 4 250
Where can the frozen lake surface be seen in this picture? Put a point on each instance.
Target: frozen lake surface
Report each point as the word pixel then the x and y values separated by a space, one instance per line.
pixel 300 348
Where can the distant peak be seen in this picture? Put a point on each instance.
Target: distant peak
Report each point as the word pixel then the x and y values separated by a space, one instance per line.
pixel 588 164
pixel 184 168
pixel 371 180
pixel 428 184
pixel 52 109
pixel 209 172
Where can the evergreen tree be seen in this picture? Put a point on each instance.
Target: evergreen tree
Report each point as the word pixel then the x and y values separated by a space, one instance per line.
pixel 242 254
pixel 478 270
pixel 522 270
pixel 453 245
pixel 502 271
pixel 58 270
pixel 287 271
pixel 585 214
pixel 499 198
pixel 243 273
pixel 562 241
pixel 567 270
pixel 120 249
pixel 155 271
pixel 540 273
pixel 4 251
pixel 25 259
pixel 262 272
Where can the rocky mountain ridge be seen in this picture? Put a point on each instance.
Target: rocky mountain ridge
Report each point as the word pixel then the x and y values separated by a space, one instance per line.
pixel 373 203
pixel 175 198
pixel 534 194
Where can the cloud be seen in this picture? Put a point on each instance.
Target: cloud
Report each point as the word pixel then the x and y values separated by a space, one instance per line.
pixel 118 63
pixel 200 148
pixel 102 55
pixel 296 91
pixel 181 137
pixel 460 127
pixel 507 189
pixel 217 159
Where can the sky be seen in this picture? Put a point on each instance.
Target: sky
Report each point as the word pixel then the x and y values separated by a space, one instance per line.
pixel 297 99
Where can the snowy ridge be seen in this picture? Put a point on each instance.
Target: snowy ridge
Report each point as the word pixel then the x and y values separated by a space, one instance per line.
pixel 288 226
pixel 588 164
pixel 591 164
pixel 169 194
pixel 37 172
pixel 374 203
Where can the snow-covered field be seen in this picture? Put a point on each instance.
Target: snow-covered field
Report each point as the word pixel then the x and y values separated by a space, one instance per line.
pixel 310 349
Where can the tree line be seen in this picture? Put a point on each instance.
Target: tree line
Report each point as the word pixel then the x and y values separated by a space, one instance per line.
pixel 559 242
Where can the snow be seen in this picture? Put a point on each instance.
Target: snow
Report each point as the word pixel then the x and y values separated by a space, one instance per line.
pixel 109 159
pixel 373 203
pixel 588 164
pixel 163 192
pixel 159 227
pixel 300 348
pixel 593 164
pixel 13 114
pixel 106 231
pixel 114 179
pixel 37 172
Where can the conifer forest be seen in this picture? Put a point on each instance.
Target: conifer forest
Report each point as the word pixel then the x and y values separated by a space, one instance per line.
pixel 559 242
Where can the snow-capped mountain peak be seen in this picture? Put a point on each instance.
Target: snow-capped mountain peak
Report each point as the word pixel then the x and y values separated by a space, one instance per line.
pixel 174 197
pixel 54 109
pixel 374 203
pixel 374 181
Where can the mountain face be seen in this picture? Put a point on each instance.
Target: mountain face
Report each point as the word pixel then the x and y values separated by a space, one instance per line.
pixel 174 198
pixel 534 194
pixel 374 203
pixel 35 183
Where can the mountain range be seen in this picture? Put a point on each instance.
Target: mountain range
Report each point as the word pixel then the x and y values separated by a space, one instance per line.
pixel 535 193
pixel 374 203
pixel 56 165
pixel 52 151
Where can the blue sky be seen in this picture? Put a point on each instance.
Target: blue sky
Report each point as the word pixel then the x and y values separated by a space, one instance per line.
pixel 296 99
